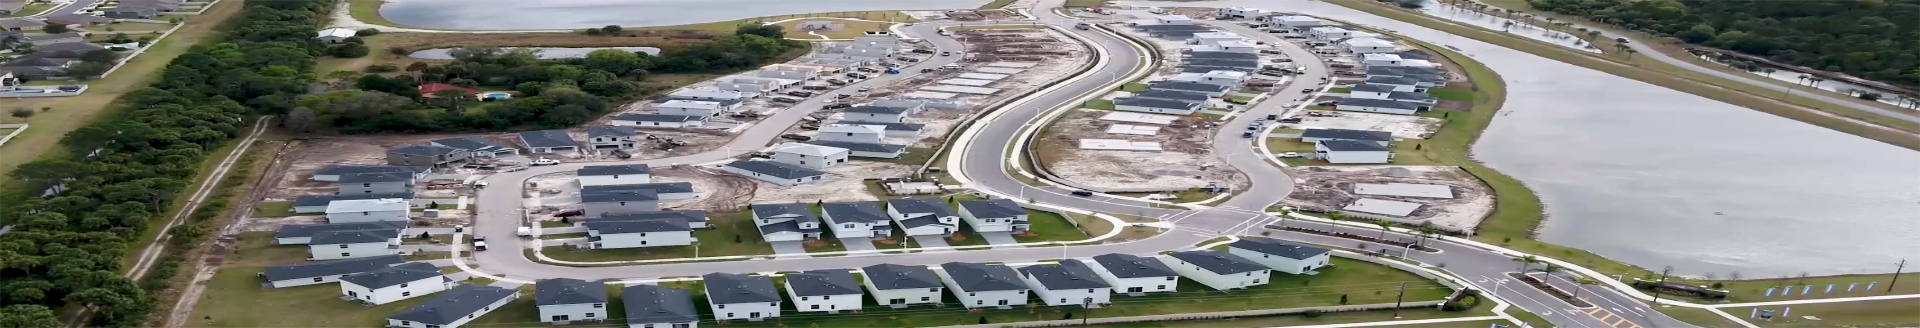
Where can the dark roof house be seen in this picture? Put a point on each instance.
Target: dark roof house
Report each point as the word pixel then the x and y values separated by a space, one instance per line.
pixel 650 304
pixel 855 212
pixel 455 304
pixel 895 276
pixel 1278 247
pixel 1129 266
pixel 1347 134
pixel 1069 274
pixel 330 268
pixel 730 288
pixel 1218 262
pixel 561 291
pixel 393 275
pixel 979 277
pixel 598 170
pixel 822 283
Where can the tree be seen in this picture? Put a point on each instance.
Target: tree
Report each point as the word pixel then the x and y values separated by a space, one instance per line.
pixel 366 32
pixel 21 112
pixel 1581 283
pixel 769 31
pixel 611 29
pixel 1526 261
pixel 348 50
pixel 983 320
pixel 595 31
pixel 1630 52
pixel 417 66
pixel 100 56
pixel 28 316
pixel 302 119
pixel 88 70
pixel 1384 224
pixel 424 235
pixel 56 28
pixel 1343 299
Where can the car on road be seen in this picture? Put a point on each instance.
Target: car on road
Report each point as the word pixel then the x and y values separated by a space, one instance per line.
pixel 946 53
pixel 523 231
pixel 1273 116
pixel 922 51
pixel 1248 134
pixel 926 70
pixel 865 89
pixel 1288 155
pixel 1289 120
pixel 1306 90
pixel 1082 193
pixel 545 161
pixel 479 244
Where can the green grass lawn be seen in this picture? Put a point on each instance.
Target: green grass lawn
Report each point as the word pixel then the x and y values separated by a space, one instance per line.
pixel 131 27
pixel 1084 3
pixel 1049 226
pixel 1281 145
pixel 1753 290
pixel 273 209
pixel 733 234
pixel 234 298
pixel 256 249
pixel 1699 317
pixel 1340 90
pixel 1098 104
pixel 30 9
pixel 966 237
pixel 1452 93
pixel 827 242
pixel 564 235
pixel 1134 87
pixel 1890 313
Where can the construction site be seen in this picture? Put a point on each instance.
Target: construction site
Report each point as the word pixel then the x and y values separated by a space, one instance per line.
pixel 1445 196
pixel 1134 152
pixel 292 175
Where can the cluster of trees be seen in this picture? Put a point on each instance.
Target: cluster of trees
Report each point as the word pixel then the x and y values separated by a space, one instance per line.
pixel 553 93
pixel 1877 40
pixel 125 170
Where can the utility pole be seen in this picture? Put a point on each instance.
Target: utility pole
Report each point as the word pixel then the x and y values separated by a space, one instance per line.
pixel 1397 298
pixel 1896 274
pixel 1662 282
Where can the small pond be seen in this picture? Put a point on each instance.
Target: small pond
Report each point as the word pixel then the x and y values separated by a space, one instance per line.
pixel 545 53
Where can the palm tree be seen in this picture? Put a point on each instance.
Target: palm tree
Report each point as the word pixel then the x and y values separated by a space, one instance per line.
pixel 1283 218
pixel 1582 281
pixel 1550 269
pixel 1814 82
pixel 1384 224
pixel 1526 261
pixel 1429 233
pixel 1630 53
pixel 1803 79
pixel 1335 216
pixel 1768 71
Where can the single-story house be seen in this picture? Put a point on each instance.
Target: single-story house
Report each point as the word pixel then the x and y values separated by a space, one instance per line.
pixel 394 283
pixel 1352 152
pixel 1173 95
pixel 600 202
pixel 1153 105
pixel 898 286
pixel 567 300
pixel 663 190
pixel 893 129
pixel 1368 46
pixel 659 307
pixel 877 113
pixel 368 210
pixel 1380 106
pixel 658 120
pixel 38 39
pixel 1318 135
pixel 1215 77
pixel 478 147
pixel 607 175
pixel 1400 84
pixel 549 141
pixel 774 172
pixel 131 12
pixel 1135 275
pixel 346 244
pixel 829 291
pixel 302 234
pixel 323 272
pixel 376 183
pixel 1209 90
pixel 1280 255
pixel 692 108
pixel 979 285
pixel 851 133
pixel 862 149
pixel 607 233
pixel 79 20
pixel 426 155
pixel 739 296
pixel 455 307
pixel 1217 269
pixel 1069 282
pixel 1222 55
pixel 332 172
pixel 335 35
pixel 319 203
pixel 696 219
pixel 809 155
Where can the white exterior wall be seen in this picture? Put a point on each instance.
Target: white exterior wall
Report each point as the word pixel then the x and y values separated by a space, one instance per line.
pixel 813 162
pixel 981 224
pixel 1146 285
pixel 469 318
pixel 925 230
pixel 769 178
pixel 862 137
pixel 1367 95
pixel 642 239
pixel 1218 282
pixel 656 124
pixel 574 312
pixel 357 250
pixel 1282 263
pixel 689 324
pixel 824 303
pixel 352 217
pixel 875 154
pixel 875 117
pixel 1370 49
pixel 840 229
pixel 1068 296
pixel 907 296
pixel 1014 298
pixel 746 311
pixel 1155 110
pixel 1359 157
pixel 306 281
pixel 416 288
pixel 622 179
pixel 785 236
pixel 686 111
pixel 1315 140
pixel 1381 110
pixel 597 209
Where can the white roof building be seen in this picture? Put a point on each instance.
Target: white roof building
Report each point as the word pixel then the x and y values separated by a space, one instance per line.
pixel 691 104
pixel 809 150
pixel 337 33
pixel 368 205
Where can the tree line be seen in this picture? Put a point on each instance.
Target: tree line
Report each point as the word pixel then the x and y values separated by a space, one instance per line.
pixel 550 93
pixel 124 171
pixel 1877 40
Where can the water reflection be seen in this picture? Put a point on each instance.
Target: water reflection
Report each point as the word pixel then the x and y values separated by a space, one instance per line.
pixel 564 14
pixel 1537 30
pixel 545 53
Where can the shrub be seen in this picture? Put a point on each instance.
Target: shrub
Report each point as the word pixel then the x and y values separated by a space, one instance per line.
pixel 22 112
pixel 367 32
pixel 382 68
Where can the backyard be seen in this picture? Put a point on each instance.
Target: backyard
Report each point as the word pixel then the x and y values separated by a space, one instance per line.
pixel 732 234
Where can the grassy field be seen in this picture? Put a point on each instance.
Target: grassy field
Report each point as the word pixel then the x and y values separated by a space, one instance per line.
pixel 1084 3
pixel 69 113
pixel 733 234
pixel 131 27
pixel 30 9
pixel 1483 309
pixel 1135 87
pixel 273 209
pixel 1755 290
pixel 234 298
pixel 1050 226
pixel 256 249
pixel 997 4
pixel 1891 313
pixel 368 11
pixel 1106 104
pixel 845 29
pixel 730 26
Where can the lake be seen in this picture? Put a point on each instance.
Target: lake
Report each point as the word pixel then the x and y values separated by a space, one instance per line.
pixel 565 14
pixel 545 53
pixel 1655 177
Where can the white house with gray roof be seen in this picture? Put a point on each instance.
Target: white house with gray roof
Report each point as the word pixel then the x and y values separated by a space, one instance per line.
pixel 454 308
pixel 347 244
pixel 376 183
pixel 394 283
pixel 980 285
pixel 775 172
pixel 923 216
pixel 604 175
pixel 809 155
pixel 302 234
pixel 568 300
pixel 829 291
pixel 633 233
pixel 1135 275
pixel 863 149
pixel 368 210
pixel 657 120
pixel 738 296
pixel 786 222
pixel 1069 282
pixel 652 306
pixel 898 286
pixel 319 203
pixel 856 220
pixel 1210 90
pixel 323 272
pixel 1318 135
pixel 893 129
pixel 852 133
pixel 1217 269
pixel 425 155
pixel 549 141
pixel 663 190
pixel 712 95
pixel 698 108
pixel 994 215
pixel 878 113
pixel 332 172
pixel 1280 255
pixel 1380 106
pixel 696 219
pixel 1157 106
pixel 1352 152
pixel 600 202
pixel 478 147
pixel 611 138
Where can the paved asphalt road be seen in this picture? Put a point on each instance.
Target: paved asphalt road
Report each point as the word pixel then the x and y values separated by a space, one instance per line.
pixel 72 8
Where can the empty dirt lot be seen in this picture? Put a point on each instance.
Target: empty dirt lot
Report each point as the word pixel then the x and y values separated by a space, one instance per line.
pixel 1186 161
pixel 1328 188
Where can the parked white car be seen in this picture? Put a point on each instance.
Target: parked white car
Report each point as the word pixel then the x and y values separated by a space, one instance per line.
pixel 1289 155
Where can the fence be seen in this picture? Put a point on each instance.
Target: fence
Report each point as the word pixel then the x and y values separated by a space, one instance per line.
pixel 1201 316
pixel 17 129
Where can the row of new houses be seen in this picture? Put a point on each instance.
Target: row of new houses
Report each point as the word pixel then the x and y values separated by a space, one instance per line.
pixel 385 279
pixel 1394 90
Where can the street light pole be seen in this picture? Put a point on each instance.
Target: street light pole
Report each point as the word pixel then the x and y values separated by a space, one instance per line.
pixel 1663 281
pixel 1402 296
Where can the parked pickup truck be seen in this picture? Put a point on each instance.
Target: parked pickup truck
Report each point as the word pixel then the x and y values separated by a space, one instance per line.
pixel 479 244
pixel 800 93
pixel 786 100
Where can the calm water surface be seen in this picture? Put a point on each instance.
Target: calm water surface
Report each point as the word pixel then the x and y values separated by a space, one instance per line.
pixel 563 14
pixel 545 53
pixel 1656 177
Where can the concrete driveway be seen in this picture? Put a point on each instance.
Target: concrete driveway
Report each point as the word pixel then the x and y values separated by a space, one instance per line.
pixel 788 247
pixel 931 241
pixel 561 230
pixel 1000 239
pixel 858 244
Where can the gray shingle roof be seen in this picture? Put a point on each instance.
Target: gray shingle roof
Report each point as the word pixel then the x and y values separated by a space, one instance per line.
pixel 423 150
pixel 823 282
pixel 647 304
pixel 1155 103
pixel 624 195
pixel 345 169
pixel 610 131
pixel 322 200
pixel 471 144
pixel 1282 248
pixel 548 139
pixel 729 288
pixel 1221 55
pixel 980 277
pixel 785 226
pixel 1415 96
pixel 657 188
pixel 598 170
pixel 1069 274
pixel 1248 64
pixel 1172 95
pixel 1195 28
pixel 375 177
pixel 354 236
pixel 330 268
pixel 1187 86
pixel 393 275
pixel 1218 262
pixel 895 276
pixel 1390 80
pixel 920 222
pixel 309 230
pixel 876 110
pixel 799 211
pixel 1348 134
pixel 860 146
pixel 568 291
pixel 891 126
pixel 689 215
pixel 776 169
pixel 855 212
pixel 993 208
pixel 454 304
pixel 606 227
pixel 656 118
pixel 1369 87
pixel 1382 103
pixel 1129 266
pixel 1346 145
pixel 911 206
